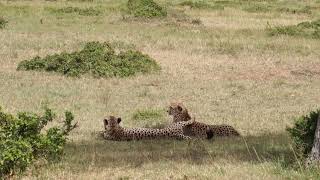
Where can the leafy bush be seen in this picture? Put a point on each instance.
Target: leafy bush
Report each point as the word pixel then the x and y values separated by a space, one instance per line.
pixel 3 23
pixel 98 59
pixel 304 29
pixel 23 141
pixel 303 132
pixel 145 8
pixel 84 12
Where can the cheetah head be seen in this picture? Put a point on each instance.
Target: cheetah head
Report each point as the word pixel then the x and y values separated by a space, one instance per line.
pixel 111 123
pixel 179 112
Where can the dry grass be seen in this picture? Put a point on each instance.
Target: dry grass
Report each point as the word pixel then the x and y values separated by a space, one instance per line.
pixel 226 70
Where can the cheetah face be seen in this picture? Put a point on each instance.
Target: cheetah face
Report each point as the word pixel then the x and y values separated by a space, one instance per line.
pixel 175 109
pixel 111 123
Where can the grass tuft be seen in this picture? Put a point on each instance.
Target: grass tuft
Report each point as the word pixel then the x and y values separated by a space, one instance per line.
pixel 84 12
pixel 304 29
pixel 97 59
pixel 201 5
pixel 3 22
pixel 303 10
pixel 257 8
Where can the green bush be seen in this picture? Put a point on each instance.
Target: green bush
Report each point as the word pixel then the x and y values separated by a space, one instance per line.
pixel 303 132
pixel 304 29
pixel 3 22
pixel 84 12
pixel 23 140
pixel 97 59
pixel 145 8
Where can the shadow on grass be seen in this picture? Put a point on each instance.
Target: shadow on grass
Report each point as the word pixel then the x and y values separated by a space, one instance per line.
pixel 256 149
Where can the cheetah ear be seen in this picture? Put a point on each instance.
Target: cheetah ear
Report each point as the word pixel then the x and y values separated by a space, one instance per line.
pixel 119 120
pixel 179 108
pixel 105 122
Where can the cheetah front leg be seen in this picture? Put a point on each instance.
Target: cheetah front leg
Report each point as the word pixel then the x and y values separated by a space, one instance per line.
pixel 108 137
pixel 183 137
pixel 186 123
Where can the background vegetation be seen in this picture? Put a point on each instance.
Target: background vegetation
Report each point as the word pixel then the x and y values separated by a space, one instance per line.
pixel 22 142
pixel 226 69
pixel 98 59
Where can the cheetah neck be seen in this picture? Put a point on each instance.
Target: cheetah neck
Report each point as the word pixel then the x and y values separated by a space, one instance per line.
pixel 181 117
pixel 116 131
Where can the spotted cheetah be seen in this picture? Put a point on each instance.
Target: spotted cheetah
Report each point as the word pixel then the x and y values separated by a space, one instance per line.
pixel 201 130
pixel 113 131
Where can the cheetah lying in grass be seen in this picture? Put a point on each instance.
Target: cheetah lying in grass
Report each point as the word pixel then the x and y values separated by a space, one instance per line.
pixel 113 131
pixel 201 130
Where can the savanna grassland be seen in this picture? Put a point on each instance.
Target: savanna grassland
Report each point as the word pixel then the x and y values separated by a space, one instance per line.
pixel 225 60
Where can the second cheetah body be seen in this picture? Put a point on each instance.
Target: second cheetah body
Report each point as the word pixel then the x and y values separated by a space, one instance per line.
pixel 198 129
pixel 118 133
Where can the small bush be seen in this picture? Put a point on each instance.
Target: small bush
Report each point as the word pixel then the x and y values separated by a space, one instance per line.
pixel 84 12
pixel 147 114
pixel 304 29
pixel 145 8
pixel 303 132
pixel 3 23
pixel 23 140
pixel 97 59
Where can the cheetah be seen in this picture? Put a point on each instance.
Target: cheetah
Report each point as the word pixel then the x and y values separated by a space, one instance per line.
pixel 198 129
pixel 113 131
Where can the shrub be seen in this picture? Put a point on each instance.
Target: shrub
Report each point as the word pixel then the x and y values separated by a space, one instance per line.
pixel 84 12
pixel 304 29
pixel 145 8
pixel 3 23
pixel 303 131
pixel 97 59
pixel 23 141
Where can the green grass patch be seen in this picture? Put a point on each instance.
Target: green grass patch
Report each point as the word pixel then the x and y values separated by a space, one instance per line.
pixel 147 114
pixel 200 5
pixel 145 8
pixel 303 10
pixel 97 59
pixel 90 11
pixel 3 22
pixel 257 8
pixel 303 131
pixel 304 29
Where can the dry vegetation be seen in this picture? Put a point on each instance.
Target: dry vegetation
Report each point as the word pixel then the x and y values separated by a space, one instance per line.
pixel 227 69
